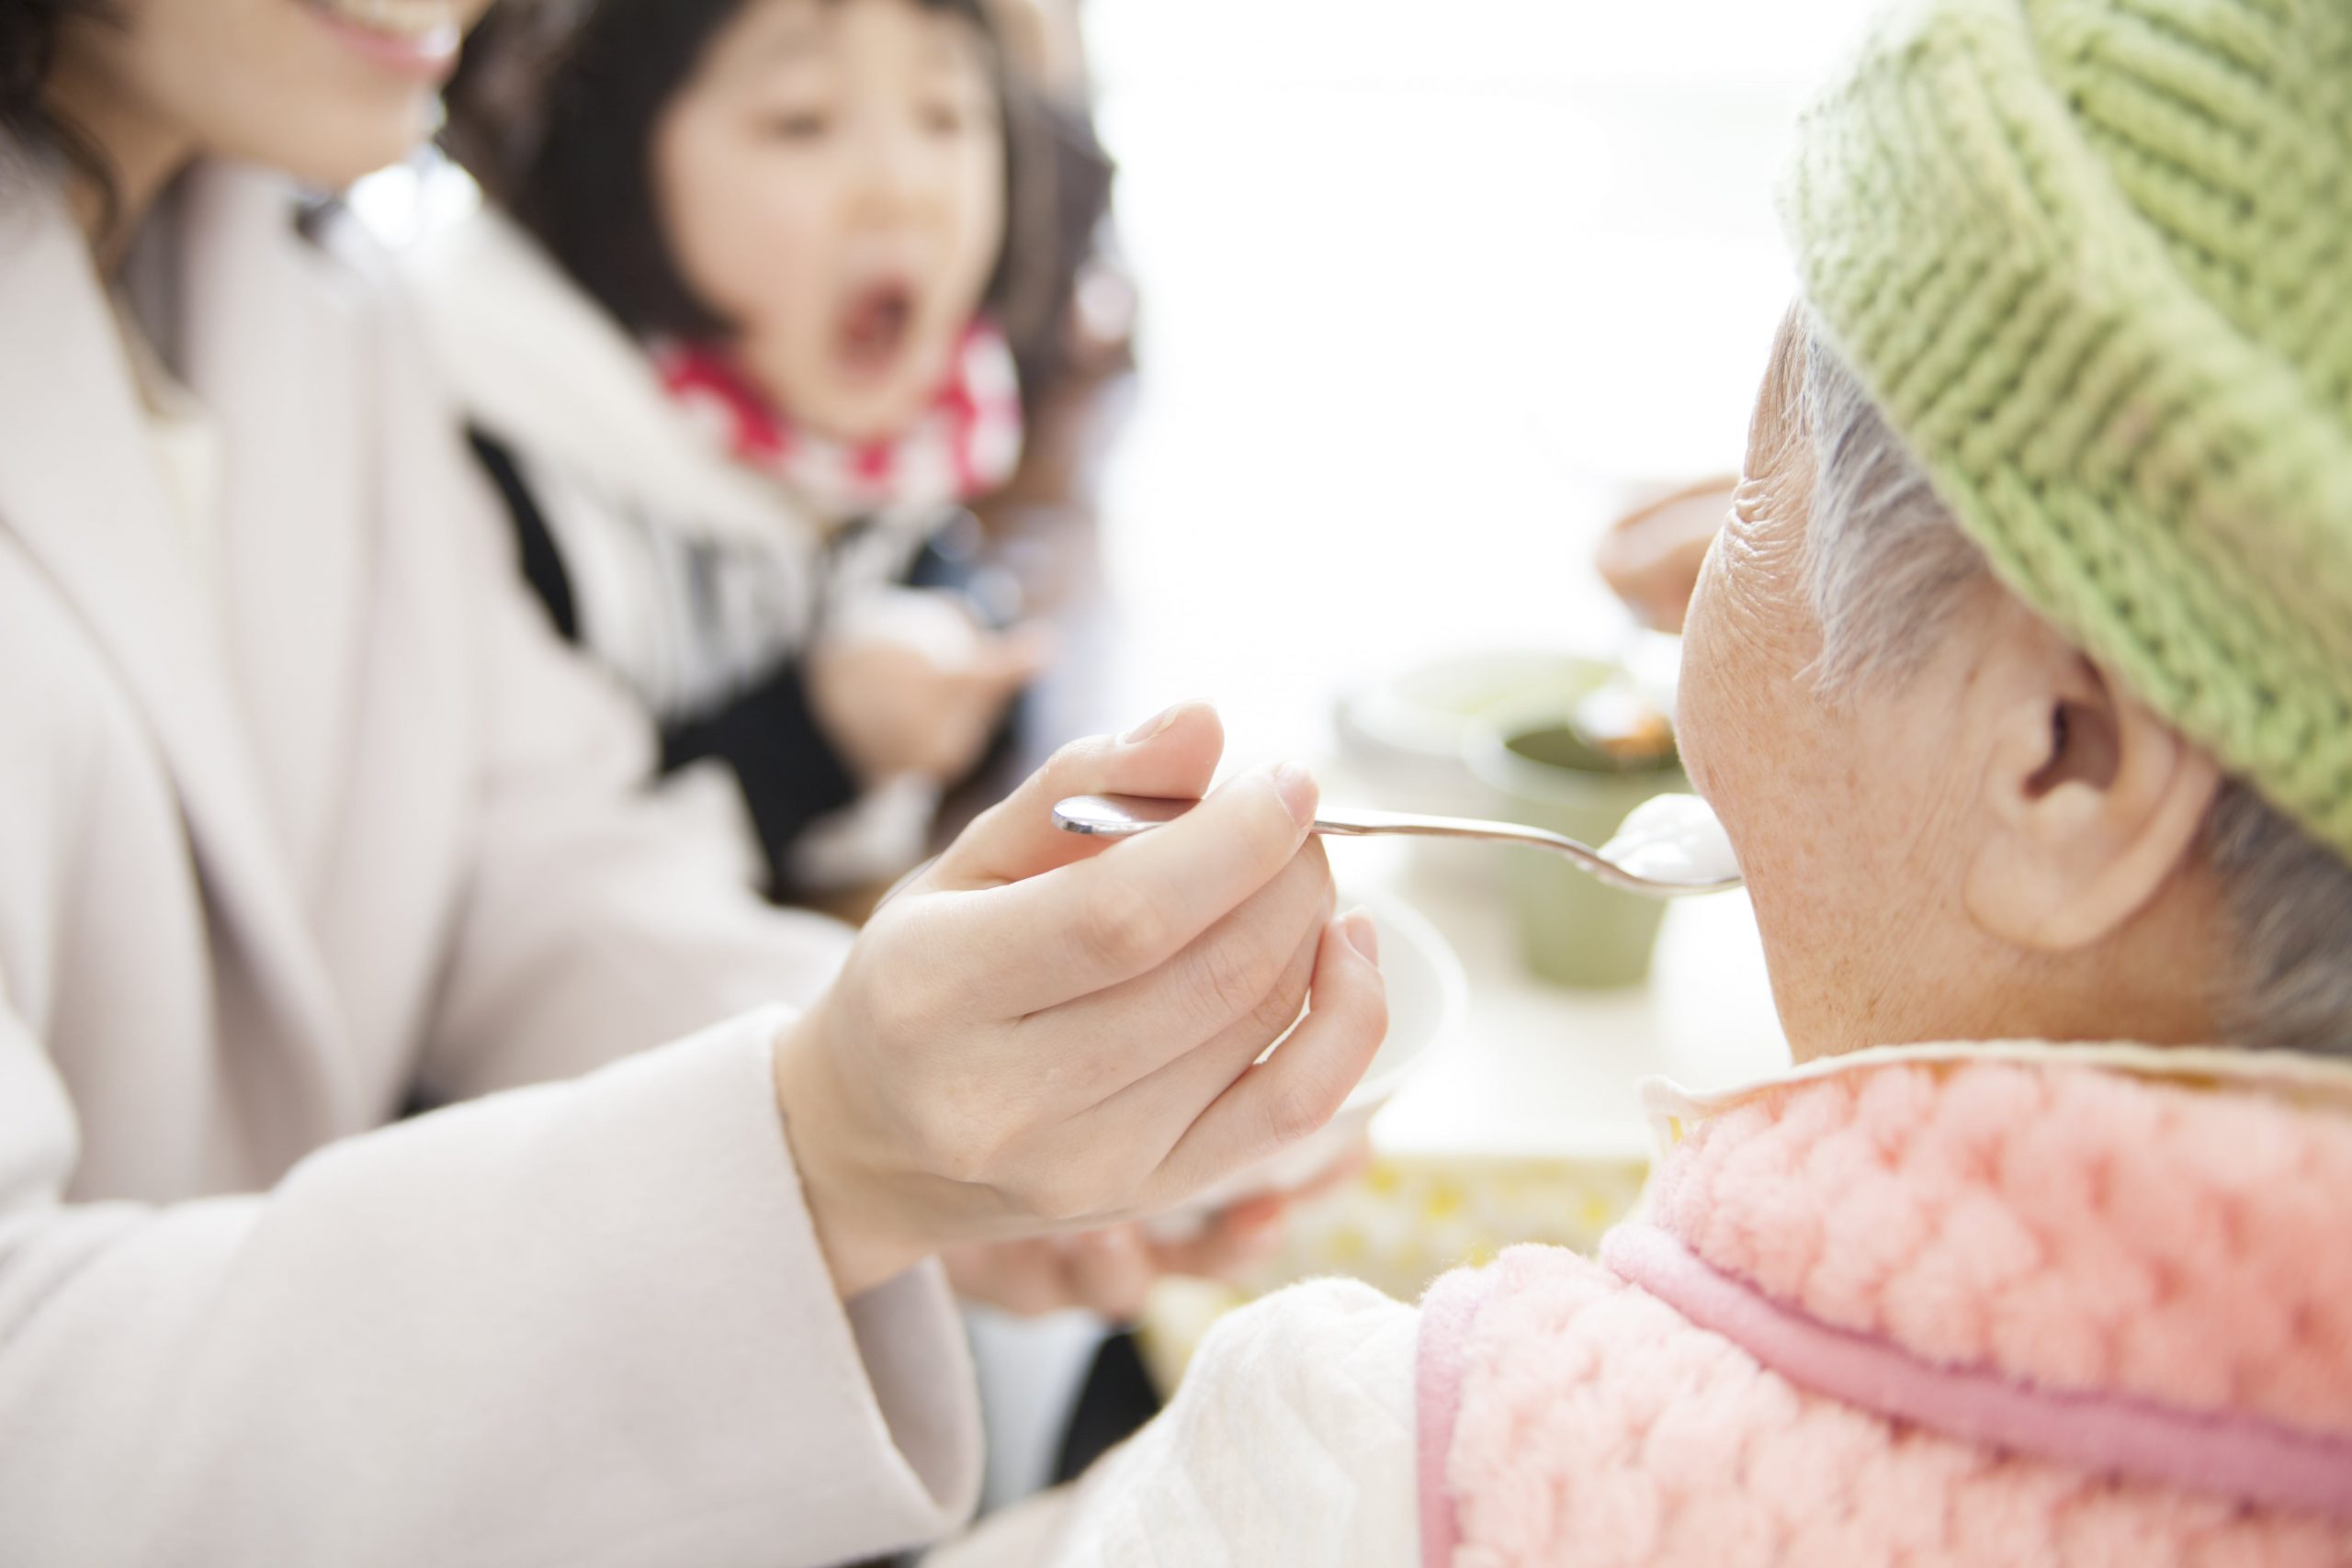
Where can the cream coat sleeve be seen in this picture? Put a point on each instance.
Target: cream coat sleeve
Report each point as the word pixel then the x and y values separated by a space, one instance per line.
pixel 585 1324
pixel 1290 1443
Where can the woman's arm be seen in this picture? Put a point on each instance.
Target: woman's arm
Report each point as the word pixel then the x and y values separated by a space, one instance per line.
pixel 586 1324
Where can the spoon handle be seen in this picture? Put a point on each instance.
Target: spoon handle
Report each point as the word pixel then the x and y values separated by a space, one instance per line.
pixel 1120 816
pixel 1355 822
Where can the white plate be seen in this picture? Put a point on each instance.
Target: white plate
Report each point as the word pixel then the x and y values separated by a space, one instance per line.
pixel 1427 1000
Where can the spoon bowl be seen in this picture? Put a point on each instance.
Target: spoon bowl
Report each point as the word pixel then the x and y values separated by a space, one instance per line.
pixel 1670 848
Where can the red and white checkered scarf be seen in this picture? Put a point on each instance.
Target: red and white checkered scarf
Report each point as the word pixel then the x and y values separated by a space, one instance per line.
pixel 965 443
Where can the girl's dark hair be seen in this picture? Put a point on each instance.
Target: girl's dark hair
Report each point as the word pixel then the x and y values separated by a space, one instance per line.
pixel 553 111
pixel 29 34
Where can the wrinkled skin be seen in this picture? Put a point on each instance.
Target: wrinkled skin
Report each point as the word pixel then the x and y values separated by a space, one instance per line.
pixel 1927 861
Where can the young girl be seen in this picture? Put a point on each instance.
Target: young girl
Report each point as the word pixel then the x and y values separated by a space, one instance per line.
pixel 735 363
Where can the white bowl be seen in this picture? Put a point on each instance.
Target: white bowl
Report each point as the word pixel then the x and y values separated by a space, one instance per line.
pixel 1428 998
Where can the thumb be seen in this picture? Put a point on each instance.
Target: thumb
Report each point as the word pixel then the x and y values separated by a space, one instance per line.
pixel 1173 754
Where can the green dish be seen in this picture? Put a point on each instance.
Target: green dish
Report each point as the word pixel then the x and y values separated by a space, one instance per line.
pixel 1573 931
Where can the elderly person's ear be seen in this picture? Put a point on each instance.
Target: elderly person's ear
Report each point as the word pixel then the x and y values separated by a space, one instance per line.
pixel 2092 803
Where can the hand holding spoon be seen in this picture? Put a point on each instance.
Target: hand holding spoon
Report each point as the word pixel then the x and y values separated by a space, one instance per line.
pixel 1671 845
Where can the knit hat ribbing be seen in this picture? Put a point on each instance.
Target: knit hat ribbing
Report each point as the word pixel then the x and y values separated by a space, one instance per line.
pixel 2094 259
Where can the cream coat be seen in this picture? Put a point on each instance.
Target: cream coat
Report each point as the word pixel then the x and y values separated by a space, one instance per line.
pixel 276 855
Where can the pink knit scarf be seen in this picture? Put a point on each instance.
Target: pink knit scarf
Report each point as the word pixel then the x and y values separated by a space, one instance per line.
pixel 964 445
pixel 2109 1273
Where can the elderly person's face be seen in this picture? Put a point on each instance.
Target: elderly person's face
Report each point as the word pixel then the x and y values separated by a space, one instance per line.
pixel 1994 842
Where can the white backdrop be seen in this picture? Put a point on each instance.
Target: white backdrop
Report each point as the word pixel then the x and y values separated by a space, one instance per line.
pixel 1428 290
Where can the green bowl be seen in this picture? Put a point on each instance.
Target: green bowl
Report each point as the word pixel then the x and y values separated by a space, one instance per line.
pixel 1573 931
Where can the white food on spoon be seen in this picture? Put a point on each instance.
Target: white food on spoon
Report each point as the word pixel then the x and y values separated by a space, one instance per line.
pixel 1673 837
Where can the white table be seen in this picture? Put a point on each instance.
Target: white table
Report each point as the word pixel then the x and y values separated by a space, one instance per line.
pixel 1545 1072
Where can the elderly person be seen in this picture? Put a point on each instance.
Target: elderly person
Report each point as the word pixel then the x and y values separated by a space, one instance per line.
pixel 2019 677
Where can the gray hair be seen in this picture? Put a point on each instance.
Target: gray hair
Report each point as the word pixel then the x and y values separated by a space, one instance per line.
pixel 1889 567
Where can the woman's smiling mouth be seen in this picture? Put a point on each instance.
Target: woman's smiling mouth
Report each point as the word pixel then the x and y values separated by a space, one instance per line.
pixel 408 37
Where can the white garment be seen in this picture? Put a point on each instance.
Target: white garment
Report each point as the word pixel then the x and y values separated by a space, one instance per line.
pixel 186 447
pixel 1289 1445
pixel 270 866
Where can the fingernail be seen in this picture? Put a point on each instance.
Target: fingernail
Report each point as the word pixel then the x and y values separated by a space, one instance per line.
pixel 1363 935
pixel 1296 786
pixel 1153 726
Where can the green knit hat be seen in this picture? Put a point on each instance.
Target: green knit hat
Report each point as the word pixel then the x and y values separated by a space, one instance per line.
pixel 2094 259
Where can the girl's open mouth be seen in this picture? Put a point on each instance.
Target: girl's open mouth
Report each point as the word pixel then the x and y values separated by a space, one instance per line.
pixel 410 38
pixel 876 325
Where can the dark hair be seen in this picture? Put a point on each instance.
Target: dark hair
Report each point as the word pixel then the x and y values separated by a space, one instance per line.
pixel 29 33
pixel 553 111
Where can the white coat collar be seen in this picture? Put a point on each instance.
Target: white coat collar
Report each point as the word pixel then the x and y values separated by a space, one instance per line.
pixel 80 492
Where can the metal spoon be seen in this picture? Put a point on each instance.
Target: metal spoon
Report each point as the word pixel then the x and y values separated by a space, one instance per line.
pixel 1670 846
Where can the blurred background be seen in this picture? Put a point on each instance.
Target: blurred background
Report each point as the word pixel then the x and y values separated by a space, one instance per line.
pixel 1429 294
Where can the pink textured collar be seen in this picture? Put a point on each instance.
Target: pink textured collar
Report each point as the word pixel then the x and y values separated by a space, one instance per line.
pixel 2243 1458
pixel 2048 1222
pixel 2126 1270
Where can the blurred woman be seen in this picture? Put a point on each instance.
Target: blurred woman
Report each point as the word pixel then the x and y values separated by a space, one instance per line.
pixel 306 817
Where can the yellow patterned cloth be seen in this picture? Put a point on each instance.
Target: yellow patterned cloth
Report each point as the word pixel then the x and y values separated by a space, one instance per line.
pixel 1399 1227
